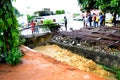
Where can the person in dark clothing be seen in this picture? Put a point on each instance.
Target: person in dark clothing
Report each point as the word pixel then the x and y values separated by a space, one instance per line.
pixel 65 20
pixel 90 20
pixel 101 19
pixel 114 19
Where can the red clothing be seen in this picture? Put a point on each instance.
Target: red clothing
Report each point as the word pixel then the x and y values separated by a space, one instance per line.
pixel 32 26
pixel 94 18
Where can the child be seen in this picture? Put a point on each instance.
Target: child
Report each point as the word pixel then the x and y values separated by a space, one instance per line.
pixel 97 20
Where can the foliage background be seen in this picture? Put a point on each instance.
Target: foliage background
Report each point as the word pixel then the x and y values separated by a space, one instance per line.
pixel 112 6
pixel 9 33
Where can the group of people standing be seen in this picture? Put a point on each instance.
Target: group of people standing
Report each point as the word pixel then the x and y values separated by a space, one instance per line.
pixel 93 20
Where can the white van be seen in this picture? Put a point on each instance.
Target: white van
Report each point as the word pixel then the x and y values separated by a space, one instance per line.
pixel 108 18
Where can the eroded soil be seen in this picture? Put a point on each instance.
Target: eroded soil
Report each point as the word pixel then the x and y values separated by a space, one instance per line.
pixel 38 66
pixel 75 60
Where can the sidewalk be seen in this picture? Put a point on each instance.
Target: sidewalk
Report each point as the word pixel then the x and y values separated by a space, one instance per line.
pixel 36 66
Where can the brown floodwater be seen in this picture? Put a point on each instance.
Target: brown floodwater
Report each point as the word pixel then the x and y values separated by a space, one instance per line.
pixel 75 60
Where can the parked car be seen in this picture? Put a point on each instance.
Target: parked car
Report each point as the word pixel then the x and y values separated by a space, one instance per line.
pixel 55 18
pixel 37 19
pixel 78 18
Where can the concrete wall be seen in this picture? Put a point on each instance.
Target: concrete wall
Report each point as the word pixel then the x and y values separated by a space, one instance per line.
pixel 101 58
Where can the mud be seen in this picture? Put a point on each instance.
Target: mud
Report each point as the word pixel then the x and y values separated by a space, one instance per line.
pixel 37 66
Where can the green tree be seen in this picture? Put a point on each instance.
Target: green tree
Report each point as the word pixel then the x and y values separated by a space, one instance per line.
pixel 86 5
pixel 17 13
pixel 9 33
pixel 104 5
pixel 112 6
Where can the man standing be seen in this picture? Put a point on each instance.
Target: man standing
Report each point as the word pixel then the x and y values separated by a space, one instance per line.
pixel 65 20
pixel 90 19
pixel 94 19
pixel 32 27
pixel 101 19
pixel 86 20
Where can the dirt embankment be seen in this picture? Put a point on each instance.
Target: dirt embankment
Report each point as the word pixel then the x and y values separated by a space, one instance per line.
pixel 37 66
pixel 75 60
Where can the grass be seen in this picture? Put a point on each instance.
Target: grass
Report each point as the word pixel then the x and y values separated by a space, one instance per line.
pixel 113 70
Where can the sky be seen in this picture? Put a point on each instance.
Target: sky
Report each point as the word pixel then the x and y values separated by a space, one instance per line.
pixel 29 6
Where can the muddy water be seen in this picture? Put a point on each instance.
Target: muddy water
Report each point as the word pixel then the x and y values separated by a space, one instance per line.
pixel 75 60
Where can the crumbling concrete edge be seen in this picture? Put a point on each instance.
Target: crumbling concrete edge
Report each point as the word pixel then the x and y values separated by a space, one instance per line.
pixel 98 57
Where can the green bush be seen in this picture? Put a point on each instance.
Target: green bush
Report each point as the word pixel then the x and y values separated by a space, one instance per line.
pixel 113 70
pixel 47 21
pixel 50 25
pixel 13 56
pixel 59 12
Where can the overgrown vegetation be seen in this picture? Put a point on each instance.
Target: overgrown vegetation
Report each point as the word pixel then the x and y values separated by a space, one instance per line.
pixel 113 70
pixel 13 57
pixel 48 24
pixel 9 34
pixel 48 21
pixel 59 12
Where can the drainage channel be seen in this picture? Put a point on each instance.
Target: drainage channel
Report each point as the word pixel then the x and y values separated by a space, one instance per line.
pixel 100 45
